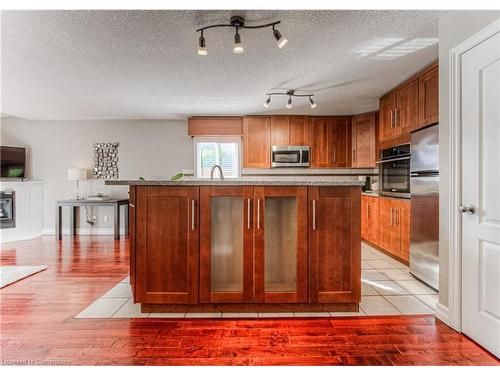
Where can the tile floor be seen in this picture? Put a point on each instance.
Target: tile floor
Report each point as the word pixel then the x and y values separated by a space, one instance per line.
pixel 387 288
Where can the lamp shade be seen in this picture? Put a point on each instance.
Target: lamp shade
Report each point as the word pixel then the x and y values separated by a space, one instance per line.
pixel 76 174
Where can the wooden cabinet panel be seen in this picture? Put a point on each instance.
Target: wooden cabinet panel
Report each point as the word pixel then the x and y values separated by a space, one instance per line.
pixel 256 142
pixel 406 114
pixel 280 130
pixel 428 98
pixel 280 249
pixel 341 142
pixel 364 141
pixel 131 236
pixel 389 233
pixel 167 245
pixel 226 246
pixel 210 126
pixel 334 245
pixel 404 224
pixel 387 109
pixel 321 142
pixel 299 131
pixel 370 218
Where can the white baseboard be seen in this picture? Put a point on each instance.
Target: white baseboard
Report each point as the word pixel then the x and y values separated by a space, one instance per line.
pixel 443 313
pixel 84 231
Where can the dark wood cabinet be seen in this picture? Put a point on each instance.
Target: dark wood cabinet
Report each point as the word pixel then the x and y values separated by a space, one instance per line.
pixel 321 141
pixel 364 141
pixel 299 131
pixel 166 244
pixel 394 226
pixel 280 249
pixel 131 236
pixel 387 128
pixel 341 142
pixel 334 244
pixel 428 98
pixel 226 244
pixel 406 115
pixel 370 219
pixel 289 130
pixel 256 142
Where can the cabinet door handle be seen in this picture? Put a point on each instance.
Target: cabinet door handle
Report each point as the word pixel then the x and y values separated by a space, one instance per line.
pixel 392 216
pixel 131 205
pixel 397 216
pixel 258 213
pixel 193 203
pixel 368 209
pixel 354 156
pixel 314 214
pixel 392 120
pixel 396 118
pixel 248 213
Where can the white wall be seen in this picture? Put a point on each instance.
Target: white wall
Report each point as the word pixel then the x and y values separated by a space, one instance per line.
pixel 454 28
pixel 148 148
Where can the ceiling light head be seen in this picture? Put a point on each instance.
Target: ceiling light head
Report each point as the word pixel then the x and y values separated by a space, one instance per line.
pixel 280 39
pixel 238 47
pixel 313 104
pixel 202 46
pixel 267 102
pixel 289 103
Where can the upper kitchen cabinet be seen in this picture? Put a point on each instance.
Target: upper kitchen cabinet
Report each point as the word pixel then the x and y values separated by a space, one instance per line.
pixel 256 142
pixel 364 140
pixel 399 111
pixel 289 131
pixel 341 142
pixel 387 109
pixel 321 141
pixel 428 98
pixel 406 114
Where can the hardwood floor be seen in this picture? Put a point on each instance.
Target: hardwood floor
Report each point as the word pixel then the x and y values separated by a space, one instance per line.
pixel 37 324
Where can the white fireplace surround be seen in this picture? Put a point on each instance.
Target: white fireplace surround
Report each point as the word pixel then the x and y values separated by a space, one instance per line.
pixel 28 210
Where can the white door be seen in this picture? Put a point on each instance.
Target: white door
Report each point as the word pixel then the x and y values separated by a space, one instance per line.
pixel 481 194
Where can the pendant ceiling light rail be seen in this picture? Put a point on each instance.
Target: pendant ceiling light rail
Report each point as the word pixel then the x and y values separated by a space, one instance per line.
pixel 238 23
pixel 290 94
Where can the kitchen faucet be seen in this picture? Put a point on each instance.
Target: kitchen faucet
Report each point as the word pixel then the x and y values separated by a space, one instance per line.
pixel 212 172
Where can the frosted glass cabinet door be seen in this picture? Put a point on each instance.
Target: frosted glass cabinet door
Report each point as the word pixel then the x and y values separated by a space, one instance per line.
pixel 280 244
pixel 226 244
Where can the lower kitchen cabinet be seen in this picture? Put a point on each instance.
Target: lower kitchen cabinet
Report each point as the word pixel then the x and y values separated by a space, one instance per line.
pixel 166 245
pixel 334 245
pixel 226 246
pixel 280 246
pixel 369 218
pixel 394 227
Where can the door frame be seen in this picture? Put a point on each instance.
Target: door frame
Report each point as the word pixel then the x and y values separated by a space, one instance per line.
pixel 452 315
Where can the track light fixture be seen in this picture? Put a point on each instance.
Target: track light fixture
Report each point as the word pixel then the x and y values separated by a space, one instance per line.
pixel 238 23
pixel 290 93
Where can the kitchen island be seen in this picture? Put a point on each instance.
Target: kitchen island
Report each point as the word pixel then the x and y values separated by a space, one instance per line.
pixel 245 245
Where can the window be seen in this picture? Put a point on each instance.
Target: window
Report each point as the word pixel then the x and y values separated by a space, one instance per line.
pixel 217 151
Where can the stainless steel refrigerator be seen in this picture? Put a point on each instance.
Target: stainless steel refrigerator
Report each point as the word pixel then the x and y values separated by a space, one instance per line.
pixel 424 190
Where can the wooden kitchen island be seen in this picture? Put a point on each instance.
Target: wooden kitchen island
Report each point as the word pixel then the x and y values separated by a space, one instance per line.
pixel 241 246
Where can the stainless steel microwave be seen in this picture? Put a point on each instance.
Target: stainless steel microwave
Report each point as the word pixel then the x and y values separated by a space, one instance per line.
pixel 394 171
pixel 289 156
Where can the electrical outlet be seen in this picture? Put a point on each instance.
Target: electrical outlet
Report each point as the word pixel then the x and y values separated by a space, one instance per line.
pixel 106 219
pixel 94 218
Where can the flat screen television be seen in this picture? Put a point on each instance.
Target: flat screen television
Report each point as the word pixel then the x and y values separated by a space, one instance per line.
pixel 13 160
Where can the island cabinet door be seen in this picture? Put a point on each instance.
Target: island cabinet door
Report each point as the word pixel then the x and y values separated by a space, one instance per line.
pixel 166 244
pixel 131 236
pixel 226 246
pixel 280 249
pixel 334 244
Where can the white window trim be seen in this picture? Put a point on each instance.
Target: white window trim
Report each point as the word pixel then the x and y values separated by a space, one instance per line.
pixel 218 139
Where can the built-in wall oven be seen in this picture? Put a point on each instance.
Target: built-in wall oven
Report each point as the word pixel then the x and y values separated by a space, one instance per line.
pixel 394 171
pixel 289 156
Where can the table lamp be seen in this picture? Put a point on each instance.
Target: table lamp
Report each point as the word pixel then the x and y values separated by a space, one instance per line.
pixel 77 174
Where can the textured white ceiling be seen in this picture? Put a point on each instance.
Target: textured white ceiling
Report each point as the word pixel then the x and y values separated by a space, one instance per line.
pixel 144 64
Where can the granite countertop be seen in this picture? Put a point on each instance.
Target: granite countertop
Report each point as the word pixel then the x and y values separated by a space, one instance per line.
pixel 371 193
pixel 281 182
